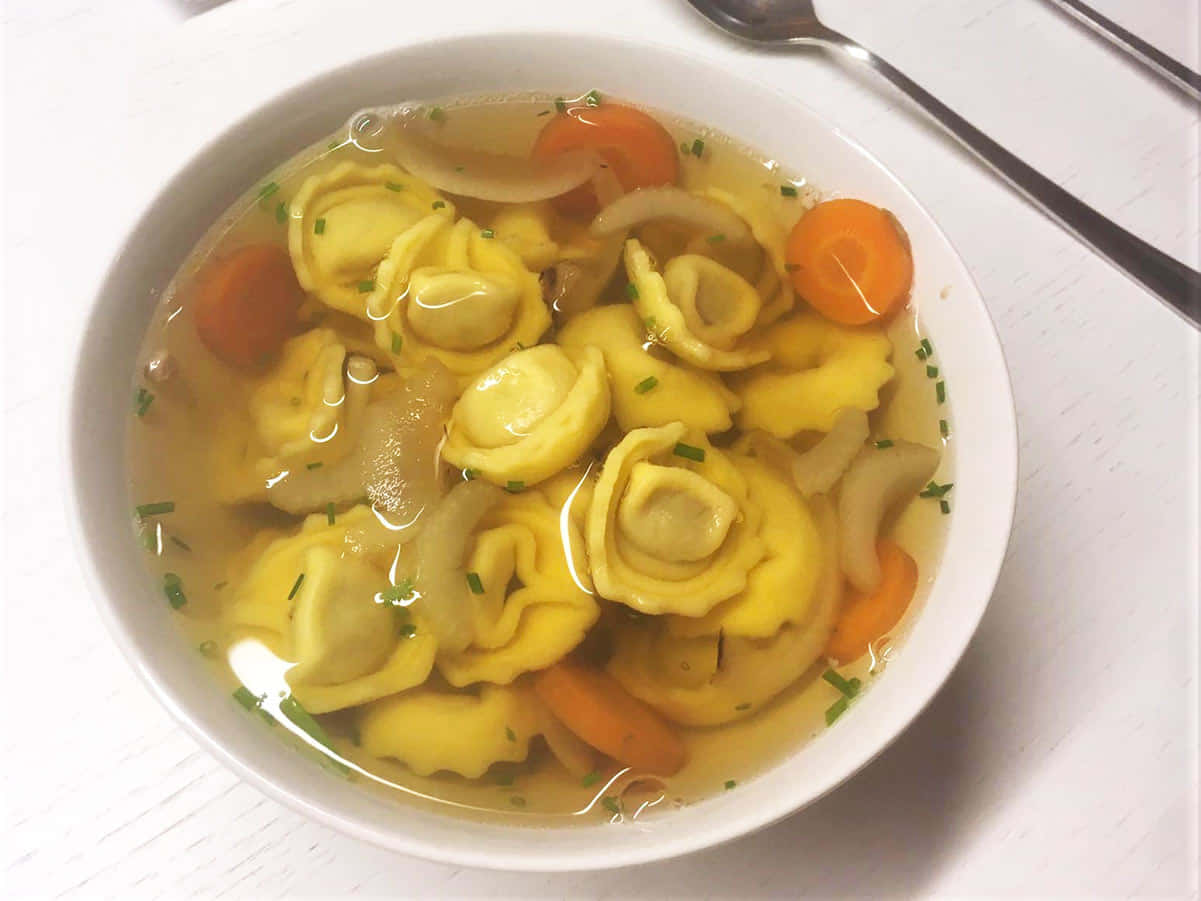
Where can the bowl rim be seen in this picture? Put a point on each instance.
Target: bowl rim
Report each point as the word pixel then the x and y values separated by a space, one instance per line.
pixel 296 798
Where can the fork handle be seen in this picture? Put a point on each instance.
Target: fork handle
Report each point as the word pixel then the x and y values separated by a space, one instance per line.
pixel 1177 284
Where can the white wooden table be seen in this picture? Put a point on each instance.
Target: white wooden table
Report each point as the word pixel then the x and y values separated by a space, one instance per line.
pixel 1061 758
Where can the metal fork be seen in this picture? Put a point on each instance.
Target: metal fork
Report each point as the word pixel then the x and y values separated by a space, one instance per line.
pixel 796 22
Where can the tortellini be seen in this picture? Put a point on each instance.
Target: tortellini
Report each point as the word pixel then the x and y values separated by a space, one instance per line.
pixel 689 681
pixel 430 731
pixel 647 389
pixel 818 367
pixel 531 415
pixel 697 308
pixel 770 230
pixel 524 227
pixel 671 528
pixel 455 294
pixel 315 598
pixel 343 223
pixel 529 608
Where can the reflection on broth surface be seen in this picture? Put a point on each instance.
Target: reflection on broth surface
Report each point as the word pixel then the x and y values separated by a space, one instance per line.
pixel 542 457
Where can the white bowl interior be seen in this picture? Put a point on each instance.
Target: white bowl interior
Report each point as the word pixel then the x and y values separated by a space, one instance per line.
pixel 985 433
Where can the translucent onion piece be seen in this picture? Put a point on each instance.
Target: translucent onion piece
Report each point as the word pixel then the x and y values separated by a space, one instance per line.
pixel 444 598
pixel 490 176
pixel 577 757
pixel 877 480
pixel 673 203
pixel 816 470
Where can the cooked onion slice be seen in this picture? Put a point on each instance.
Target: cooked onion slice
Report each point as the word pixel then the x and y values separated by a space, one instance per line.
pixel 673 203
pixel 490 176
pixel 876 481
pixel 444 598
pixel 816 470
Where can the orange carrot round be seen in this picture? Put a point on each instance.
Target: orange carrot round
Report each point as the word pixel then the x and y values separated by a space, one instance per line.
pixel 640 151
pixel 246 304
pixel 867 617
pixel 594 706
pixel 850 261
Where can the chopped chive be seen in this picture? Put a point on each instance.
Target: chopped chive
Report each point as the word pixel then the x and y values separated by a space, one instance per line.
pixel 927 347
pixel 649 323
pixel 631 291
pixel 514 485
pixel 355 738
pixel 920 353
pixel 142 400
pixel 333 145
pixel 218 586
pixel 437 114
pixel 290 707
pixel 319 227
pixel 317 465
pixel 408 630
pixel 943 428
pixel 545 112
pixel 715 239
pixel 394 186
pixel 684 148
pixel 173 589
pixel 439 204
pixel 243 696
pixel 510 734
pixel 945 506
pixel 267 190
pixel 458 168
pixel 281 212
pixel 835 710
pixel 730 783
pixel 150 539
pixel 590 778
pixel 367 286
pixel 329 513
pixel 487 233
pixel 477 586
pixel 296 586
pixel 610 804
pixel 791 267
pixel 469 474
pixel 592 98
pixel 788 190
pixel 940 391
pixel 647 384
pixel 698 148
pixel 936 490
pixel 207 648
pixel 155 509
pixel 397 343
pixel 688 452
pixel 931 371
pixel 517 801
pixel 856 684
pixel 561 104
pixel 401 591
pixel 180 543
pixel 883 443
pixel 834 678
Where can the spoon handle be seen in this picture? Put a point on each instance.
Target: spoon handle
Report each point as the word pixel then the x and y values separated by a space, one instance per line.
pixel 1174 282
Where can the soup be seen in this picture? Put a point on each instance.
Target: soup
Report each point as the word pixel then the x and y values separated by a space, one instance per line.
pixel 542 458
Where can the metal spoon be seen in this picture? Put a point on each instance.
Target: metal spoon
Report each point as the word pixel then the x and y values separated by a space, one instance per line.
pixel 796 22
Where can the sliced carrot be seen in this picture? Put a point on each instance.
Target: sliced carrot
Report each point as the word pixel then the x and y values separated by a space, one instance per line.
pixel 246 304
pixel 850 261
pixel 640 151
pixel 594 706
pixel 866 617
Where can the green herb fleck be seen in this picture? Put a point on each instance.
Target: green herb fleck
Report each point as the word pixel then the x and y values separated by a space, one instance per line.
pixel 631 291
pixel 281 212
pixel 408 630
pixel 142 399
pixel 592 98
pixel 730 783
pixel 394 186
pixel 944 428
pixel 477 586
pixel 316 465
pixel 220 585
pixel 470 474
pixel 180 543
pixel 329 513
pixel 545 112
pixel 302 719
pixel 788 190
pixel 649 323
pixel 333 145
pixel 590 778
pixel 745 705
pixel 715 239
pixel 834 678
pixel 510 734
pixel 401 591
pixel 296 586
pixel 397 343
pixel 920 353
pixel 437 114
pixel 883 443
pixel 173 589
pixel 647 384
pixel 267 190
pixel 244 697
pixel 835 710
pixel 940 391
pixel 514 485
pixel 208 648
pixel 936 490
pixel 458 168
pixel 439 204
pixel 945 506
pixel 698 148
pixel 931 372
pixel 688 452
pixel 684 148
pixel 561 104
pixel 367 286
pixel 517 801
pixel 319 227
pixel 927 347
pixel 487 233
pixel 610 804
pixel 155 509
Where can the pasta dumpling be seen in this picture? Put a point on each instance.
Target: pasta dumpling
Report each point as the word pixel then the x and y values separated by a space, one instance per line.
pixel 525 229
pixel 528 609
pixel 670 525
pixel 531 415
pixel 818 367
pixel 343 223
pixel 461 297
pixel 647 389
pixel 697 308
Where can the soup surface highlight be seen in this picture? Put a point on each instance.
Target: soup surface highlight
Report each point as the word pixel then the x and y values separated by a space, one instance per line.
pixel 542 458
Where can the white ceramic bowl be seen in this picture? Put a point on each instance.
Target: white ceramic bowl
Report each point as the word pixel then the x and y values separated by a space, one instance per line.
pixel 985 439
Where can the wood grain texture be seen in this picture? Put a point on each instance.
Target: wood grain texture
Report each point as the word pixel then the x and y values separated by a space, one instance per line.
pixel 1060 759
